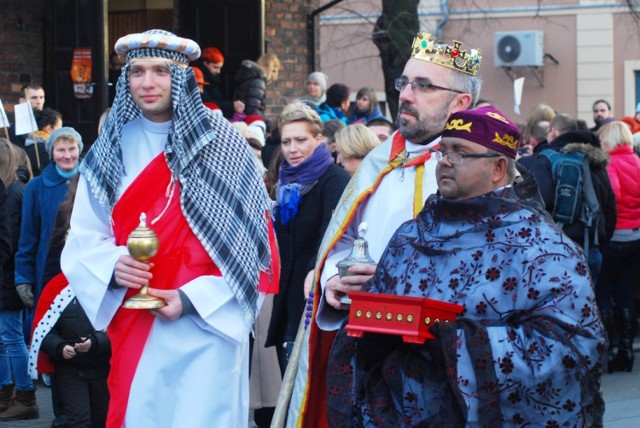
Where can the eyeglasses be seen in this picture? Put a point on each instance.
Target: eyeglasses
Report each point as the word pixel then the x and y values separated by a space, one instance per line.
pixel 421 86
pixel 456 158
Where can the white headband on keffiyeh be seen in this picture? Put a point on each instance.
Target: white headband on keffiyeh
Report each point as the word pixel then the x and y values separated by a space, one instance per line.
pixel 159 40
pixel 222 194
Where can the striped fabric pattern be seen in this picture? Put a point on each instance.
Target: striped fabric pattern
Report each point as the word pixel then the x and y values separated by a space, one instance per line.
pixel 223 197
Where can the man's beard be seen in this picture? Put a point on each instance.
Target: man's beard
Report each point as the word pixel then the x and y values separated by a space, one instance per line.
pixel 425 129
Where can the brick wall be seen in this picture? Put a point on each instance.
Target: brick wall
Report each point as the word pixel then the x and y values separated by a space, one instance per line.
pixel 21 52
pixel 21 47
pixel 286 36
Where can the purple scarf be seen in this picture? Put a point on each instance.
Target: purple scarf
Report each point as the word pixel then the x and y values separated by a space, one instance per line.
pixel 296 181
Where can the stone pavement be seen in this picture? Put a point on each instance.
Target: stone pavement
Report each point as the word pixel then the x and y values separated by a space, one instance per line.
pixel 622 397
pixel 43 396
pixel 621 394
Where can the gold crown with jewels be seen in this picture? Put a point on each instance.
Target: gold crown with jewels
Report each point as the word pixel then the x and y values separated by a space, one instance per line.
pixel 426 49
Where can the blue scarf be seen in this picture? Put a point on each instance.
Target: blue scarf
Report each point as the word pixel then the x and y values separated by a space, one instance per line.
pixel 296 181
pixel 67 174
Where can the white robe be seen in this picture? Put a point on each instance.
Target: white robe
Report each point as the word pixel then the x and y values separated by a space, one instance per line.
pixel 390 205
pixel 193 372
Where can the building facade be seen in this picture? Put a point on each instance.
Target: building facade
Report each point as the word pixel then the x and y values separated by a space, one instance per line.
pixel 590 49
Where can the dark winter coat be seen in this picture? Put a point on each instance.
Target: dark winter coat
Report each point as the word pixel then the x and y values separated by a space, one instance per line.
pixel 364 117
pixel 598 161
pixel 298 242
pixel 251 87
pixel 585 142
pixel 56 244
pixel 9 298
pixel 70 327
pixel 527 161
pixel 41 199
pixel 6 252
pixel 213 92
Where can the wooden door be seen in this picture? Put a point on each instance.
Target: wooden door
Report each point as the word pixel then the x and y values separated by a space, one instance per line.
pixel 71 24
pixel 233 26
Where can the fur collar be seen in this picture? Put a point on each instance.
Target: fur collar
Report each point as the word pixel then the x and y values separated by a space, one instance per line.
pixel 598 158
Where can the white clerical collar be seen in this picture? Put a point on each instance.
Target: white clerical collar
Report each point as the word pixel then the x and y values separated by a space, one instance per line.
pixel 414 148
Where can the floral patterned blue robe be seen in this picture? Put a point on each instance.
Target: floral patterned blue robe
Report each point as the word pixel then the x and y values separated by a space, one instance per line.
pixel 526 351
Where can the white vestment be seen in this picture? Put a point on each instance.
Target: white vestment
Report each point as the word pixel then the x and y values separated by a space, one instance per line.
pixel 193 372
pixel 390 205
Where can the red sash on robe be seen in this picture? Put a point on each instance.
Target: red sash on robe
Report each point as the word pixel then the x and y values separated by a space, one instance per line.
pixel 180 259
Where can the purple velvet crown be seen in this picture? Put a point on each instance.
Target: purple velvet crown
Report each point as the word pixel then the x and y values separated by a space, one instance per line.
pixel 486 126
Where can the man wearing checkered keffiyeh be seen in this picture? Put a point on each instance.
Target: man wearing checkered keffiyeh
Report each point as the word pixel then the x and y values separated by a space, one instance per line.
pixel 162 153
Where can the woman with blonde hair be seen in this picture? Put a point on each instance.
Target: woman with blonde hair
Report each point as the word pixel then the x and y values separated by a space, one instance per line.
pixel 308 189
pixel 271 63
pixel 11 158
pixel 251 85
pixel 541 112
pixel 620 268
pixel 353 143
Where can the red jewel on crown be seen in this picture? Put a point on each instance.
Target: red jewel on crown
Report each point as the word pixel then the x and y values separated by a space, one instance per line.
pixel 450 56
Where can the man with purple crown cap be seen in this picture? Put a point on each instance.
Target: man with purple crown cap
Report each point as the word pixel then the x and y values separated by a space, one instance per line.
pixel 528 346
pixel 389 188
pixel 162 153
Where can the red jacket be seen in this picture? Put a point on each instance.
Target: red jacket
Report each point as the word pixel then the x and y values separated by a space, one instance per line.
pixel 624 173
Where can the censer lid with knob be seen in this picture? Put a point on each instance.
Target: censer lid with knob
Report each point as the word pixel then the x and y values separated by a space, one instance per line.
pixel 142 242
pixel 359 253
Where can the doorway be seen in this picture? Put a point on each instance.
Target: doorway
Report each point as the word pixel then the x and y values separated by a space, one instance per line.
pixel 236 27
pixel 233 26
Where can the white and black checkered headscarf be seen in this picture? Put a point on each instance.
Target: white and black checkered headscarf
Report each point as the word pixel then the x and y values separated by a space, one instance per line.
pixel 222 195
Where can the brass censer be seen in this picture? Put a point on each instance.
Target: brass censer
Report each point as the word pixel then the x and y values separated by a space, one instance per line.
pixel 143 244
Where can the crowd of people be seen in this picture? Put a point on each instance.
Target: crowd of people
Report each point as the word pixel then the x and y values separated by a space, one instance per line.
pixel 243 305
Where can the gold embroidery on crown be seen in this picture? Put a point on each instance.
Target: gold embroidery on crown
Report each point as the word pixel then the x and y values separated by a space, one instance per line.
pixel 426 49
pixel 458 125
pixel 506 140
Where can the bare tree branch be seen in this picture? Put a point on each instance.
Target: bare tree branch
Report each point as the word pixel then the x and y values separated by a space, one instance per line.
pixel 393 33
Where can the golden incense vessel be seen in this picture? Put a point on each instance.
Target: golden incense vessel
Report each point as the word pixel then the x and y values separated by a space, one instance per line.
pixel 143 245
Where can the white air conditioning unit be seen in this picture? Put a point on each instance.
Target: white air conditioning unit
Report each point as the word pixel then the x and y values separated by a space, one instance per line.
pixel 518 48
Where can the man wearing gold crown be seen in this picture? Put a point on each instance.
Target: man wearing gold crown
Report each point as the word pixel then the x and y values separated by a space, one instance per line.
pixel 161 152
pixel 527 348
pixel 389 188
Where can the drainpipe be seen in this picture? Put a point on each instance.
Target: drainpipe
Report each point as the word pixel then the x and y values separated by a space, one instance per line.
pixel 445 18
pixel 263 23
pixel 311 30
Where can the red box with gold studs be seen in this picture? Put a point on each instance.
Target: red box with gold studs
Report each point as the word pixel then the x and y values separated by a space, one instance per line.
pixel 406 316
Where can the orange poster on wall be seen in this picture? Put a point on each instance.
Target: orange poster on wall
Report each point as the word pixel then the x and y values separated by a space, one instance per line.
pixel 81 73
